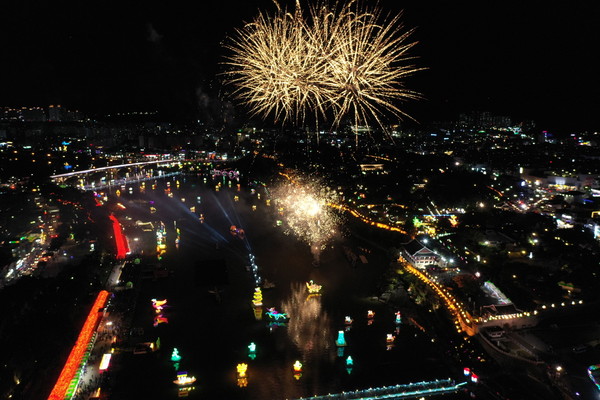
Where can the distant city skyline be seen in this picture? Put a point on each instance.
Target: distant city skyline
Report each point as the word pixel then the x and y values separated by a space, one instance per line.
pixel 527 61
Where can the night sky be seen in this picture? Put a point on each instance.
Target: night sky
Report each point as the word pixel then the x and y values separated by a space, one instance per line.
pixel 530 60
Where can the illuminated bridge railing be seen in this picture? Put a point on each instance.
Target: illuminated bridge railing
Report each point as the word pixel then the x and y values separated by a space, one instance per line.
pixel 94 170
pixel 406 391
pixel 126 181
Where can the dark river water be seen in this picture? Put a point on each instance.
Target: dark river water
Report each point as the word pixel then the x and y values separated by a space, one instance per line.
pixel 212 335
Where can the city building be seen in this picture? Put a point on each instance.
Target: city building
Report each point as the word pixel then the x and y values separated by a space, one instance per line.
pixel 419 256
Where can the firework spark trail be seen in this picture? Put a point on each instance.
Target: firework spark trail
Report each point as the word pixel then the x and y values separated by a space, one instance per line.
pixel 340 60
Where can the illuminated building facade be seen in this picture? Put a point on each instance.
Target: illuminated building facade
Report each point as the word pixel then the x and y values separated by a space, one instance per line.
pixel 419 256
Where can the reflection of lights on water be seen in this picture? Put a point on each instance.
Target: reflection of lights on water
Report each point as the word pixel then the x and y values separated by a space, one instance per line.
pixel 160 319
pixel 185 391
pixel 309 325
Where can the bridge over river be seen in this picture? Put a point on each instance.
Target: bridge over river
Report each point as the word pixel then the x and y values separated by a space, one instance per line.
pixel 406 391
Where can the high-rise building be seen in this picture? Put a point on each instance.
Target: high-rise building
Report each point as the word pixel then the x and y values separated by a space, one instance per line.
pixel 55 113
pixel 33 114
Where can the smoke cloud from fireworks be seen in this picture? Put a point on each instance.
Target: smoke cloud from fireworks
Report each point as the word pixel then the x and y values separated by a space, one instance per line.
pixel 305 213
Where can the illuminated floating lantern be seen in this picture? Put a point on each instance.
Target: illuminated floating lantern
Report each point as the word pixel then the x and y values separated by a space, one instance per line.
pixel 390 338
pixel 370 314
pixel 275 315
pixel 254 208
pixel 236 198
pixel 252 351
pixel 183 379
pixel 398 319
pixel 175 357
pixel 158 305
pixel 340 341
pixel 297 370
pixel 297 366
pixel 257 299
pixel 313 288
pixel 349 361
pixel 241 370
pixel 348 320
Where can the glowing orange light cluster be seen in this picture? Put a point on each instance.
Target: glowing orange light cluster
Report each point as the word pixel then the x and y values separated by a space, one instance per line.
pixel 462 317
pixel 356 214
pixel 74 361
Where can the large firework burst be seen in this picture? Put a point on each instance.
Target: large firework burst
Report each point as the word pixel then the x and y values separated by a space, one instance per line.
pixel 274 67
pixel 338 60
